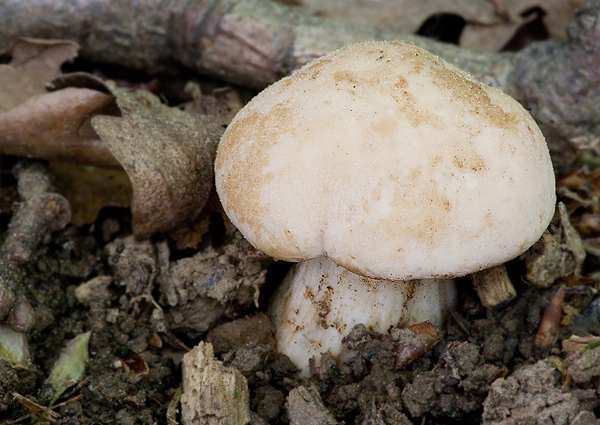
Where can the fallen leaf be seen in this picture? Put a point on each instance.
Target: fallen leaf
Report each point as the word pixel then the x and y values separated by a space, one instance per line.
pixel 52 126
pixel 489 24
pixel 34 63
pixel 55 126
pixel 89 189
pixel 164 151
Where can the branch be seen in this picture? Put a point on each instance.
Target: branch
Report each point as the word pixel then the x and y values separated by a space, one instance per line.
pixel 40 214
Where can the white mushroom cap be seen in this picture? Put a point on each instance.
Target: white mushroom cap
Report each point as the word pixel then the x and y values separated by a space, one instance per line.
pixel 389 160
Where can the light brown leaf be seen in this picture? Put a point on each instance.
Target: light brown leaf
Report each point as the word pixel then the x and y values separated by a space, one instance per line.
pixel 34 63
pixel 55 126
pixel 89 189
pixel 52 126
pixel 490 24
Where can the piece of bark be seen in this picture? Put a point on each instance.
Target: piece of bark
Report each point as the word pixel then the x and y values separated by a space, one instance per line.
pixel 493 286
pixel 305 407
pixel 212 394
pixel 245 42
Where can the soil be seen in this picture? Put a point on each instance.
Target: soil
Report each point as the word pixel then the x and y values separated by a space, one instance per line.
pixel 147 303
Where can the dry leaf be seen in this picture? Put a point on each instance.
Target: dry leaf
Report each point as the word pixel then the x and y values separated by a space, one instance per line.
pixel 34 63
pixel 556 15
pixel 89 189
pixel 489 24
pixel 55 126
pixel 164 151
pixel 52 126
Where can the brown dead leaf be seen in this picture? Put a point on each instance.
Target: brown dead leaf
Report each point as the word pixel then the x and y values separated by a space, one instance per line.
pixel 55 126
pixel 34 63
pixel 88 189
pixel 490 24
pixel 164 151
pixel 52 126
pixel 222 104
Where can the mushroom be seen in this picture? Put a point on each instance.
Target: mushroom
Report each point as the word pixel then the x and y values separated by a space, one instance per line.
pixel 395 165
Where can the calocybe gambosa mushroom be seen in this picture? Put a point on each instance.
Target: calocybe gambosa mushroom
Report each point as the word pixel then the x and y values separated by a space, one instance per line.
pixel 394 164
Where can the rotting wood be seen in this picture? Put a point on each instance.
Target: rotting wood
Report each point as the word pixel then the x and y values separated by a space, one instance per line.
pixel 493 286
pixel 212 394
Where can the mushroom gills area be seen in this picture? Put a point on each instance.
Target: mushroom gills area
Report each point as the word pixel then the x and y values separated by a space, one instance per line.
pixel 319 303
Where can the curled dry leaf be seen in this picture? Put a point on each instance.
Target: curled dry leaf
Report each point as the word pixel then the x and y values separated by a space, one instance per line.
pixel 62 117
pixel 164 152
pixel 34 63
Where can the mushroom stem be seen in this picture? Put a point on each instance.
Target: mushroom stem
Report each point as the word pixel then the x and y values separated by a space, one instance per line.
pixel 319 303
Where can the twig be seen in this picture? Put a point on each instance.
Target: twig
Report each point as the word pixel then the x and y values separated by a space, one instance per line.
pixel 40 214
